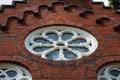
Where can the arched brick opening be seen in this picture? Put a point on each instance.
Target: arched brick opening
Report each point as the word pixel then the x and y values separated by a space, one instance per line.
pixel 22 61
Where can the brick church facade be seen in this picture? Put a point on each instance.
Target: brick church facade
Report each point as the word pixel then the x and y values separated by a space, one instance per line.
pixel 18 21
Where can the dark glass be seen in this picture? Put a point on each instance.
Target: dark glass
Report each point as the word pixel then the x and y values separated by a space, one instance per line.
pixel 80 49
pixel 2 76
pixel 69 55
pixel 11 73
pixel 40 40
pixel 115 73
pixel 53 55
pixel 40 49
pixel 52 36
pixel 66 36
pixel 78 41
pixel 60 44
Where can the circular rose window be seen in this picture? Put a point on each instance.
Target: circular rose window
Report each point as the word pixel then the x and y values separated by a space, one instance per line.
pixel 60 43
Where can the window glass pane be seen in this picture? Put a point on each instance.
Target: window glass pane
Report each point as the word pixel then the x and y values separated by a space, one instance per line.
pixel 80 49
pixel 40 40
pixel 77 41
pixel 52 36
pixel 53 55
pixel 11 73
pixel 40 49
pixel 66 36
pixel 115 73
pixel 69 55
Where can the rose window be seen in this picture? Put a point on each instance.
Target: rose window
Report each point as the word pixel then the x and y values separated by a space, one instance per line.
pixel 14 72
pixel 60 43
pixel 109 72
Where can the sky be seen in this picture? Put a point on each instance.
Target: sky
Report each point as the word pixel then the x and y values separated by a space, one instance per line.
pixel 106 2
pixel 9 2
pixel 5 1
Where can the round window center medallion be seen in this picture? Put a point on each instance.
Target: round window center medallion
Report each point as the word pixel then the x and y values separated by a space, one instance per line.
pixel 60 44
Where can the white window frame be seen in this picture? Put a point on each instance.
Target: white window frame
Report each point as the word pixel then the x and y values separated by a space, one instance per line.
pixel 75 31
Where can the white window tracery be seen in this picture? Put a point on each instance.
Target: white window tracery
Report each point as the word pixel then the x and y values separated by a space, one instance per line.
pixel 14 72
pixel 109 72
pixel 60 43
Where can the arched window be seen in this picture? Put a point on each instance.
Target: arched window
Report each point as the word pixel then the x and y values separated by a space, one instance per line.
pixel 14 72
pixel 109 72
pixel 60 43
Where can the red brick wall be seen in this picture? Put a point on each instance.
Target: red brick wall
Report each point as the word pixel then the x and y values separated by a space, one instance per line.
pixel 12 47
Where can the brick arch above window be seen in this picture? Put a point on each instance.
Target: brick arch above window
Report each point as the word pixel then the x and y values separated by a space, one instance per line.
pixel 101 61
pixel 109 71
pixel 14 72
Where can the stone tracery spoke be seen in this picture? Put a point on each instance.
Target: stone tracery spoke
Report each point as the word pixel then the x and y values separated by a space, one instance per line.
pixel 61 55
pixel 104 78
pixel 68 34
pixel 42 45
pixel 83 49
pixel 48 51
pixel 40 39
pixel 81 38
pixel 79 45
pixel 77 53
pixel 3 74
pixel 51 35
pixel 38 48
pixel 47 54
